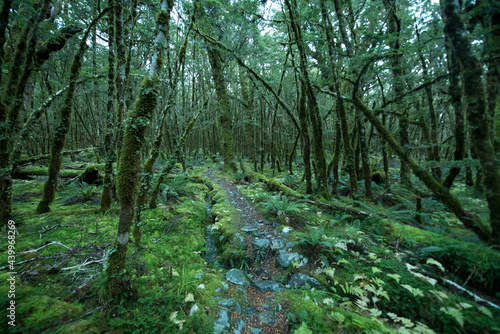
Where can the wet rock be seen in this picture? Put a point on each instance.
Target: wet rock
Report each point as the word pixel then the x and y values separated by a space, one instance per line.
pixel 266 316
pixel 223 319
pixel 193 309
pixel 237 276
pixel 278 244
pixel 270 286
pixel 226 302
pixel 239 241
pixel 261 243
pixel 251 310
pixel 300 280
pixel 249 228
pixel 237 307
pixel 285 260
pixel 241 324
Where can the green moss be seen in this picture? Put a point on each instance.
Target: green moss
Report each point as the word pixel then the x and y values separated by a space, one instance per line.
pixel 275 185
pixel 459 257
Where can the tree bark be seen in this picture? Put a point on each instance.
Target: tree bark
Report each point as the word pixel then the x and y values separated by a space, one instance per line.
pixel 129 168
pixel 50 186
pixel 477 111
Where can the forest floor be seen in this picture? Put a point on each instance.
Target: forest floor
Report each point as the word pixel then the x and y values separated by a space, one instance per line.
pixel 223 254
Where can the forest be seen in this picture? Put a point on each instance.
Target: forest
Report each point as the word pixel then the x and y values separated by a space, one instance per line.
pixel 238 166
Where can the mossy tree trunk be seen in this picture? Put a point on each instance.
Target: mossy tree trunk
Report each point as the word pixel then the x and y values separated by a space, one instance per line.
pixel 340 105
pixel 394 31
pixel 216 64
pixel 12 94
pixel 365 159
pixel 106 196
pixel 477 109
pixel 312 104
pixel 469 221
pixel 133 139
pixel 455 92
pixel 153 203
pixel 434 143
pixel 59 139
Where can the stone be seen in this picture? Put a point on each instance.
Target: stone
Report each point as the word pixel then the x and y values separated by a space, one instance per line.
pixel 244 291
pixel 238 276
pixel 241 324
pixel 278 244
pixel 266 316
pixel 239 241
pixel 285 260
pixel 261 243
pixel 249 228
pixel 270 286
pixel 286 230
pixel 223 318
pixel 251 310
pixel 199 275
pixel 201 286
pixel 226 302
pixel 193 309
pixel 256 330
pixel 300 280
pixel 225 286
pixel 237 307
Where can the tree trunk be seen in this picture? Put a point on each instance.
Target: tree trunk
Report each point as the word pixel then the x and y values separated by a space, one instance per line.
pixel 470 221
pixel 129 168
pixel 477 111
pixel 106 196
pixel 50 186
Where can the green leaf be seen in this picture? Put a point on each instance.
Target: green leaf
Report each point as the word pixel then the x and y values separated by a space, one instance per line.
pixel 436 263
pixel 396 277
pixel 455 313
pixel 376 270
pixel 486 311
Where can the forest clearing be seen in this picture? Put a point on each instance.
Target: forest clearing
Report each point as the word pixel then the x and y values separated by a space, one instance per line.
pixel 249 167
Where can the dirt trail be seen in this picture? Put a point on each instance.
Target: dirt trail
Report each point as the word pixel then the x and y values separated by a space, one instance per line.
pixel 259 312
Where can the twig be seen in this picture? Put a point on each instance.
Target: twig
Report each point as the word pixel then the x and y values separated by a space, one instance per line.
pixel 85 263
pixel 50 243
pixel 19 263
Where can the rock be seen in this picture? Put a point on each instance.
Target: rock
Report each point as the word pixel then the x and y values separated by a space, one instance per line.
pixel 239 277
pixel 237 307
pixel 286 259
pixel 239 241
pixel 286 230
pixel 278 244
pixel 199 275
pixel 256 330
pixel 300 280
pixel 242 290
pixel 241 324
pixel 270 286
pixel 225 286
pixel 226 302
pixel 251 310
pixel 201 286
pixel 266 316
pixel 249 228
pixel 258 234
pixel 193 309
pixel 261 243
pixel 223 318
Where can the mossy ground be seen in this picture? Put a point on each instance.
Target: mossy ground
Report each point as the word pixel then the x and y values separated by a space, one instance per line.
pixel 362 262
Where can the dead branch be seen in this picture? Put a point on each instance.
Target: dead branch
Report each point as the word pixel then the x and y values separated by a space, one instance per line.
pixel 50 243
